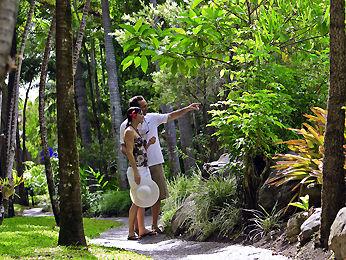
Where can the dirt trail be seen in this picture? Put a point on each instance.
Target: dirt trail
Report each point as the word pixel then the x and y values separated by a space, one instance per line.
pixel 163 247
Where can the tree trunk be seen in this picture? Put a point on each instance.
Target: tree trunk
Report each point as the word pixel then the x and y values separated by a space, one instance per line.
pixel 333 188
pixel 13 107
pixel 115 106
pixel 71 222
pixel 186 135
pixel 95 86
pixel 24 122
pixel 22 198
pixel 8 14
pixel 43 128
pixel 80 35
pixel 171 139
pixel 82 104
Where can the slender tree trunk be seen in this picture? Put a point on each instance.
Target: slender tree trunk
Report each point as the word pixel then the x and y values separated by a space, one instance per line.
pixel 186 135
pixel 82 105
pixel 95 85
pixel 8 14
pixel 13 108
pixel 22 198
pixel 113 85
pixel 333 188
pixel 102 65
pixel 80 36
pixel 24 122
pixel 71 222
pixel 43 128
pixel 171 139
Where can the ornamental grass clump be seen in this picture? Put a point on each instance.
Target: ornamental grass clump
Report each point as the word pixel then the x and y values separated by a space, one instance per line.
pixel 303 166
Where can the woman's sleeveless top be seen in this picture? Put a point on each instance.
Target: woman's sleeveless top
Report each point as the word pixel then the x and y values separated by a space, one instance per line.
pixel 139 152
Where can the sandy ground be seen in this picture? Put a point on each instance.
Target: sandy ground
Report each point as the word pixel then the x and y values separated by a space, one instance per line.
pixel 163 247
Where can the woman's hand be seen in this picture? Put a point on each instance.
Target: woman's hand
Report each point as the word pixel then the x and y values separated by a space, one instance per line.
pixel 137 177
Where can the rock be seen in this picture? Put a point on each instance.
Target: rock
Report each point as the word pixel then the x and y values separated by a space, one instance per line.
pixel 310 226
pixel 293 226
pixel 337 237
pixel 181 219
pixel 218 165
pixel 269 195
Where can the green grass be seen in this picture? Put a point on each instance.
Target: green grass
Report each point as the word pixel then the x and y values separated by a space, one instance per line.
pixel 37 237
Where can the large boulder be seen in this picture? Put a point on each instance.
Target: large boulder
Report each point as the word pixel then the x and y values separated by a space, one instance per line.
pixel 310 226
pixel 293 226
pixel 337 237
pixel 269 195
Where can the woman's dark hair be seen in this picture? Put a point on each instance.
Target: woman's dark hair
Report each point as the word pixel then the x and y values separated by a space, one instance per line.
pixel 130 112
pixel 134 101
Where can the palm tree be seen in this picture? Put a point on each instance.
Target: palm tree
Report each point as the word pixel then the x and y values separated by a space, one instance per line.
pixel 43 127
pixel 71 222
pixel 114 91
pixel 11 128
pixel 333 188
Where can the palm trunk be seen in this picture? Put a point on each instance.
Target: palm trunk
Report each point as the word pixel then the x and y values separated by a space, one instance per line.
pixel 186 135
pixel 13 108
pixel 22 198
pixel 43 127
pixel 171 139
pixel 333 188
pixel 82 104
pixel 95 85
pixel 115 106
pixel 80 36
pixel 71 222
pixel 24 121
pixel 8 14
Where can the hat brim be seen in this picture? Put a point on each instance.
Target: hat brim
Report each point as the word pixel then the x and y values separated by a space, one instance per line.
pixel 148 201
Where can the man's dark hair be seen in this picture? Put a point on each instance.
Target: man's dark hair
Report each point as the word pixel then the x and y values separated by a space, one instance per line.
pixel 134 101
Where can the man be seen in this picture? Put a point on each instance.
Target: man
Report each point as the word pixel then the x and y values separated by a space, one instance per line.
pixel 155 158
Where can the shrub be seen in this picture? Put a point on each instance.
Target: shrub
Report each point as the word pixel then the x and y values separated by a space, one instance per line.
pixel 35 177
pixel 216 210
pixel 304 165
pixel 114 203
pixel 263 222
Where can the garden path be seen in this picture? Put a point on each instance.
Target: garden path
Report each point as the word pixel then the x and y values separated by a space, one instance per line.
pixel 164 247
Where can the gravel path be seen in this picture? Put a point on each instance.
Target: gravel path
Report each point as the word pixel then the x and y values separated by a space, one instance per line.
pixel 163 247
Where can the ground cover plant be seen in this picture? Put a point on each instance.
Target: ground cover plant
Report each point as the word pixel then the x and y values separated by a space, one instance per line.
pixel 36 237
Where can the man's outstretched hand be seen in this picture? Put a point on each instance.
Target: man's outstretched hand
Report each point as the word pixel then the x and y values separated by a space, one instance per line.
pixel 193 106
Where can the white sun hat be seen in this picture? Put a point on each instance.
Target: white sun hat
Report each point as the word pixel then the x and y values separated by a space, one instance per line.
pixel 145 194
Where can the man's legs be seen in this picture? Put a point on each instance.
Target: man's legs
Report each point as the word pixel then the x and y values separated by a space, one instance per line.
pixel 157 175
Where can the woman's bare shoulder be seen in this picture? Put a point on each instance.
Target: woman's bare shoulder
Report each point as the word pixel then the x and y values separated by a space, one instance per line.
pixel 129 132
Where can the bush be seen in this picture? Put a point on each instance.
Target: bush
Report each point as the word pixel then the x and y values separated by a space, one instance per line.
pixel 217 210
pixel 35 177
pixel 304 165
pixel 114 203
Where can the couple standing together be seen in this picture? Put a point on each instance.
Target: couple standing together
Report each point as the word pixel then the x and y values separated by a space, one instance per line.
pixel 140 143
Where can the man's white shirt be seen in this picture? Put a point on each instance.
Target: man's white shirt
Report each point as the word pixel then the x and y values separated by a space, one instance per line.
pixel 147 130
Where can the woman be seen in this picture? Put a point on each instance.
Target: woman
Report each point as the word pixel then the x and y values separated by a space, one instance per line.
pixel 137 155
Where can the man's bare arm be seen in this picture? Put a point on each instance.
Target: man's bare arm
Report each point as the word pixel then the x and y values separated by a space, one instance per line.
pixel 180 112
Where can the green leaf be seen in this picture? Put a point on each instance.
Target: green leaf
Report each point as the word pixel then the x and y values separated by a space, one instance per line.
pixel 179 30
pixel 127 64
pixel 128 27
pixel 144 63
pixel 195 3
pixel 155 42
pixel 138 24
pixel 137 61
pixel 197 29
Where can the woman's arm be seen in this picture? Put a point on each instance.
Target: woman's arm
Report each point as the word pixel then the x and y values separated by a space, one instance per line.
pixel 129 142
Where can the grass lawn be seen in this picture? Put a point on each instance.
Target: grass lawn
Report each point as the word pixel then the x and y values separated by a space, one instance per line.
pixel 37 238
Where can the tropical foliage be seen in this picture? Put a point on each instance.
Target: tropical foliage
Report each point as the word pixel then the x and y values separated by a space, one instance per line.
pixel 304 164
